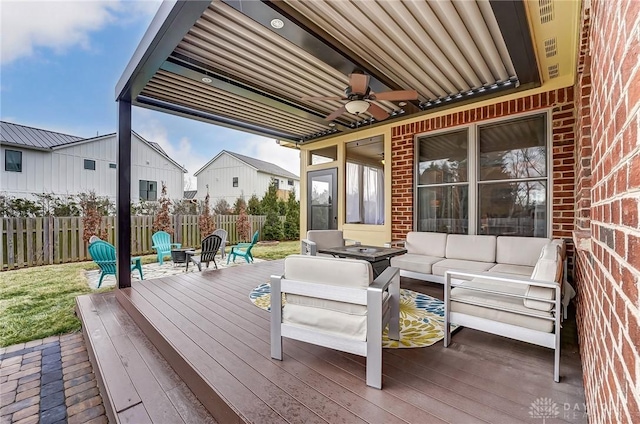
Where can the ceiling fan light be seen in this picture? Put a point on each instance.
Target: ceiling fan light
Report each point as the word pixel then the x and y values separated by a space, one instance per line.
pixel 357 107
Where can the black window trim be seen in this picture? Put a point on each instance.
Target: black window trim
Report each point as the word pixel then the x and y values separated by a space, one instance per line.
pixel 6 161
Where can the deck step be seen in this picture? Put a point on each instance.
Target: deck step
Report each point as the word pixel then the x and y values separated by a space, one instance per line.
pixel 137 384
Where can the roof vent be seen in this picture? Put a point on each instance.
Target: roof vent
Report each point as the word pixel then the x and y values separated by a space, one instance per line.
pixel 553 71
pixel 550 47
pixel 546 11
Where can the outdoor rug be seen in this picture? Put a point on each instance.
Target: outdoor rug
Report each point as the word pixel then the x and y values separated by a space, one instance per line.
pixel 421 317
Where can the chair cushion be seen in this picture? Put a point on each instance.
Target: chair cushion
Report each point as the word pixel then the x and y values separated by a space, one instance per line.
pixel 326 238
pixel 425 243
pixel 331 271
pixel 519 250
pixel 414 262
pixel 439 268
pixel 471 248
pixel 512 269
pixel 548 268
pixel 341 324
pixel 485 302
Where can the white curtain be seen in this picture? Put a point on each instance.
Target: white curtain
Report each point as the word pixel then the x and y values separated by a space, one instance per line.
pixel 365 194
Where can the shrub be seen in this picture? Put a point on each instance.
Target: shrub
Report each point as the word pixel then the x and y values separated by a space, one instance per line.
pixel 253 206
pixel 205 221
pixel 93 208
pixel 243 225
pixel 292 220
pixel 239 205
pixel 222 207
pixel 272 227
pixel 162 221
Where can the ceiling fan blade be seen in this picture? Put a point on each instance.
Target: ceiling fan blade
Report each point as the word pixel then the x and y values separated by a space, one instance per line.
pixel 377 112
pixel 313 98
pixel 397 95
pixel 335 114
pixel 359 83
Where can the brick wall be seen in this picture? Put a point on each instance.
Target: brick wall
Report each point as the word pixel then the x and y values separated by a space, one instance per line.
pixel 609 266
pixel 563 124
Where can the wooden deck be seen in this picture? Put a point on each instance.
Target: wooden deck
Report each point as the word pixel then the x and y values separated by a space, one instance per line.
pixel 217 341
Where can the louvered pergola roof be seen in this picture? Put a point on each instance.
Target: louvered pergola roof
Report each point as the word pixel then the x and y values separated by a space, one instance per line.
pixel 246 64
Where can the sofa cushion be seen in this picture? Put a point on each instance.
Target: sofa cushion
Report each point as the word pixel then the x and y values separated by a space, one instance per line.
pixel 512 269
pixel 471 248
pixel 414 262
pixel 548 268
pixel 425 243
pixel 519 250
pixel 339 272
pixel 439 268
pixel 484 304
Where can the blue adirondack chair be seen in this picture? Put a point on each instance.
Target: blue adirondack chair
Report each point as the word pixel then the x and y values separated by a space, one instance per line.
pixel 162 244
pixel 243 250
pixel 104 254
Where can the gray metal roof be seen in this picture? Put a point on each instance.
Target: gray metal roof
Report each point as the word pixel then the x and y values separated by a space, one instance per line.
pixel 21 135
pixel 263 166
pixel 191 194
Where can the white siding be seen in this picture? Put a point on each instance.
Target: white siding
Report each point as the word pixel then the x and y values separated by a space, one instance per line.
pixel 61 171
pixel 219 176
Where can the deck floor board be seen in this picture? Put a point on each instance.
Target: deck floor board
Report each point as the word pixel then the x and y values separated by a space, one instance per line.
pixel 218 343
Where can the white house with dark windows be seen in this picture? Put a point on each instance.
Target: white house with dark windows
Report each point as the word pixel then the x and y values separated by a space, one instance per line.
pixel 36 161
pixel 230 175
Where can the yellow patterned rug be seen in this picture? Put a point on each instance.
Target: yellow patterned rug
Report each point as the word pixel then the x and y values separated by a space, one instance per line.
pixel 421 317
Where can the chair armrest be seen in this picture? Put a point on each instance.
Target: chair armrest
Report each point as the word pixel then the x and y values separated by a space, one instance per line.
pixel 353 242
pixel 507 278
pixel 382 282
pixel 243 245
pixel 308 247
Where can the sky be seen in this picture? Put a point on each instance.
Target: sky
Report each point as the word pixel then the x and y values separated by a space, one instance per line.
pixel 60 62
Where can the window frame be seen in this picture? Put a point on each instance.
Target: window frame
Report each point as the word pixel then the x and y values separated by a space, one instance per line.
pixel 6 162
pixel 234 181
pixel 91 162
pixel 290 183
pixel 474 169
pixel 112 166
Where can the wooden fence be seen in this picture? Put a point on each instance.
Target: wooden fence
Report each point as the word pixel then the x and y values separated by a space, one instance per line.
pixel 53 240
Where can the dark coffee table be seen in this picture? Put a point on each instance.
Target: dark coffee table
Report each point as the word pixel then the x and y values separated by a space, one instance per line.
pixel 377 256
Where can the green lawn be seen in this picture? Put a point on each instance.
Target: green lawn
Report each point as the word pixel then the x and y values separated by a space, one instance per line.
pixel 39 302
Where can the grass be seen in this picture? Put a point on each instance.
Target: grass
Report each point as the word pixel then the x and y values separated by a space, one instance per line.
pixel 39 302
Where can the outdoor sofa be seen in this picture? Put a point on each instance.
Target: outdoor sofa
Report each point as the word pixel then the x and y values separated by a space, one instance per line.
pixel 510 286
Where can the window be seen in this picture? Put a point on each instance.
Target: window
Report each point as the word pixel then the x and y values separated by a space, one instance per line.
pixel 13 160
pixel 112 165
pixel 235 181
pixel 90 164
pixel 443 183
pixel 276 182
pixel 512 177
pixel 290 182
pixel 148 190
pixel 324 155
pixel 365 182
pixel 507 194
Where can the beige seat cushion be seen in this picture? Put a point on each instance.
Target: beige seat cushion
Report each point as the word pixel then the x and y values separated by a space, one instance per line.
pixel 414 262
pixel 339 318
pixel 484 304
pixel 326 238
pixel 439 268
pixel 519 250
pixel 512 269
pixel 548 268
pixel 425 243
pixel 471 248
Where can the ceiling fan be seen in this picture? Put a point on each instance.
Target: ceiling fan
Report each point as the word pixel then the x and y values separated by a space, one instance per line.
pixel 359 96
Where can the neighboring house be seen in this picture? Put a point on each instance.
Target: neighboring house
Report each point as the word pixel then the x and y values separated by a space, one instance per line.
pixel 230 175
pixel 40 161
